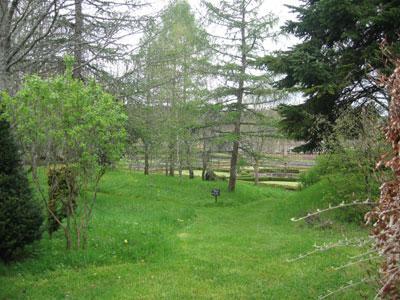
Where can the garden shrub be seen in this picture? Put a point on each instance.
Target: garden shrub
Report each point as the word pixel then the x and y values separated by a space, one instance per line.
pixel 309 178
pixel 20 215
pixel 348 165
pixel 342 181
pixel 64 120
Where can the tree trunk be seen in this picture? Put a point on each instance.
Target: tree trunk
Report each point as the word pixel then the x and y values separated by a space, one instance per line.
pixel 171 171
pixel 189 161
pixel 3 77
pixel 256 172
pixel 203 173
pixel 146 159
pixel 67 234
pixel 171 160
pixel 240 92
pixel 78 40
pixel 234 159
pixel 5 47
pixel 147 116
pixel 68 240
pixel 180 169
pixel 204 159
pixel 179 158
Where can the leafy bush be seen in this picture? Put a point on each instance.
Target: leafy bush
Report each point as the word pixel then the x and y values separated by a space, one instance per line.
pixel 309 178
pixel 343 162
pixel 348 166
pixel 20 216
pixel 342 180
pixel 348 188
pixel 64 120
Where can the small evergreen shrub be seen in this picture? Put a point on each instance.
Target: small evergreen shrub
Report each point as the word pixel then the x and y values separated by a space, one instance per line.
pixel 20 216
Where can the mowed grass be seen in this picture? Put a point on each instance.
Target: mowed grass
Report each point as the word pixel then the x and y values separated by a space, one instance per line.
pixel 181 245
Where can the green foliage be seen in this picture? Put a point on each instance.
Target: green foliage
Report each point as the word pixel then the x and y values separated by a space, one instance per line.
pixel 20 215
pixel 334 62
pixel 333 190
pixel 175 239
pixel 299 124
pixel 165 107
pixel 348 165
pixel 63 120
pixel 340 179
pixel 310 177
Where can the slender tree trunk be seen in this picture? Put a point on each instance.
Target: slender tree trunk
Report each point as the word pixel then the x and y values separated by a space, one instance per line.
pixel 5 46
pixel 256 171
pixel 240 92
pixel 234 160
pixel 4 75
pixel 191 171
pixel 205 158
pixel 179 158
pixel 78 238
pixel 78 40
pixel 4 85
pixel 171 160
pixel 67 233
pixel 85 237
pixel 146 159
pixel 189 161
pixel 147 116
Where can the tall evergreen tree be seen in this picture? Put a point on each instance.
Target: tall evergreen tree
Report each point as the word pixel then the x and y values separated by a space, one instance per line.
pixel 245 31
pixel 336 63
pixel 20 216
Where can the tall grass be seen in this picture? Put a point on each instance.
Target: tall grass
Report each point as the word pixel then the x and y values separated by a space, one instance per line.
pixel 160 237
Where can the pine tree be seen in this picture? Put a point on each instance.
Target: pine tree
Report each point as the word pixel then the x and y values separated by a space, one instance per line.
pixel 336 63
pixel 242 44
pixel 20 216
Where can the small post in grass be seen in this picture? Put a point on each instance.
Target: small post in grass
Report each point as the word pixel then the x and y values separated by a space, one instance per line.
pixel 215 193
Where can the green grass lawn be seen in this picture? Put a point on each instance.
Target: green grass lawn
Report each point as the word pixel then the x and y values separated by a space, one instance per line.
pixel 181 245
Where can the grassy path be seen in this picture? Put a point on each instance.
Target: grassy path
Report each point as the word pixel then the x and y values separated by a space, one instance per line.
pixel 183 246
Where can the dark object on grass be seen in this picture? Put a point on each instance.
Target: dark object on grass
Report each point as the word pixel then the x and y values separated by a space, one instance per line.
pixel 210 175
pixel 216 193
pixel 20 216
